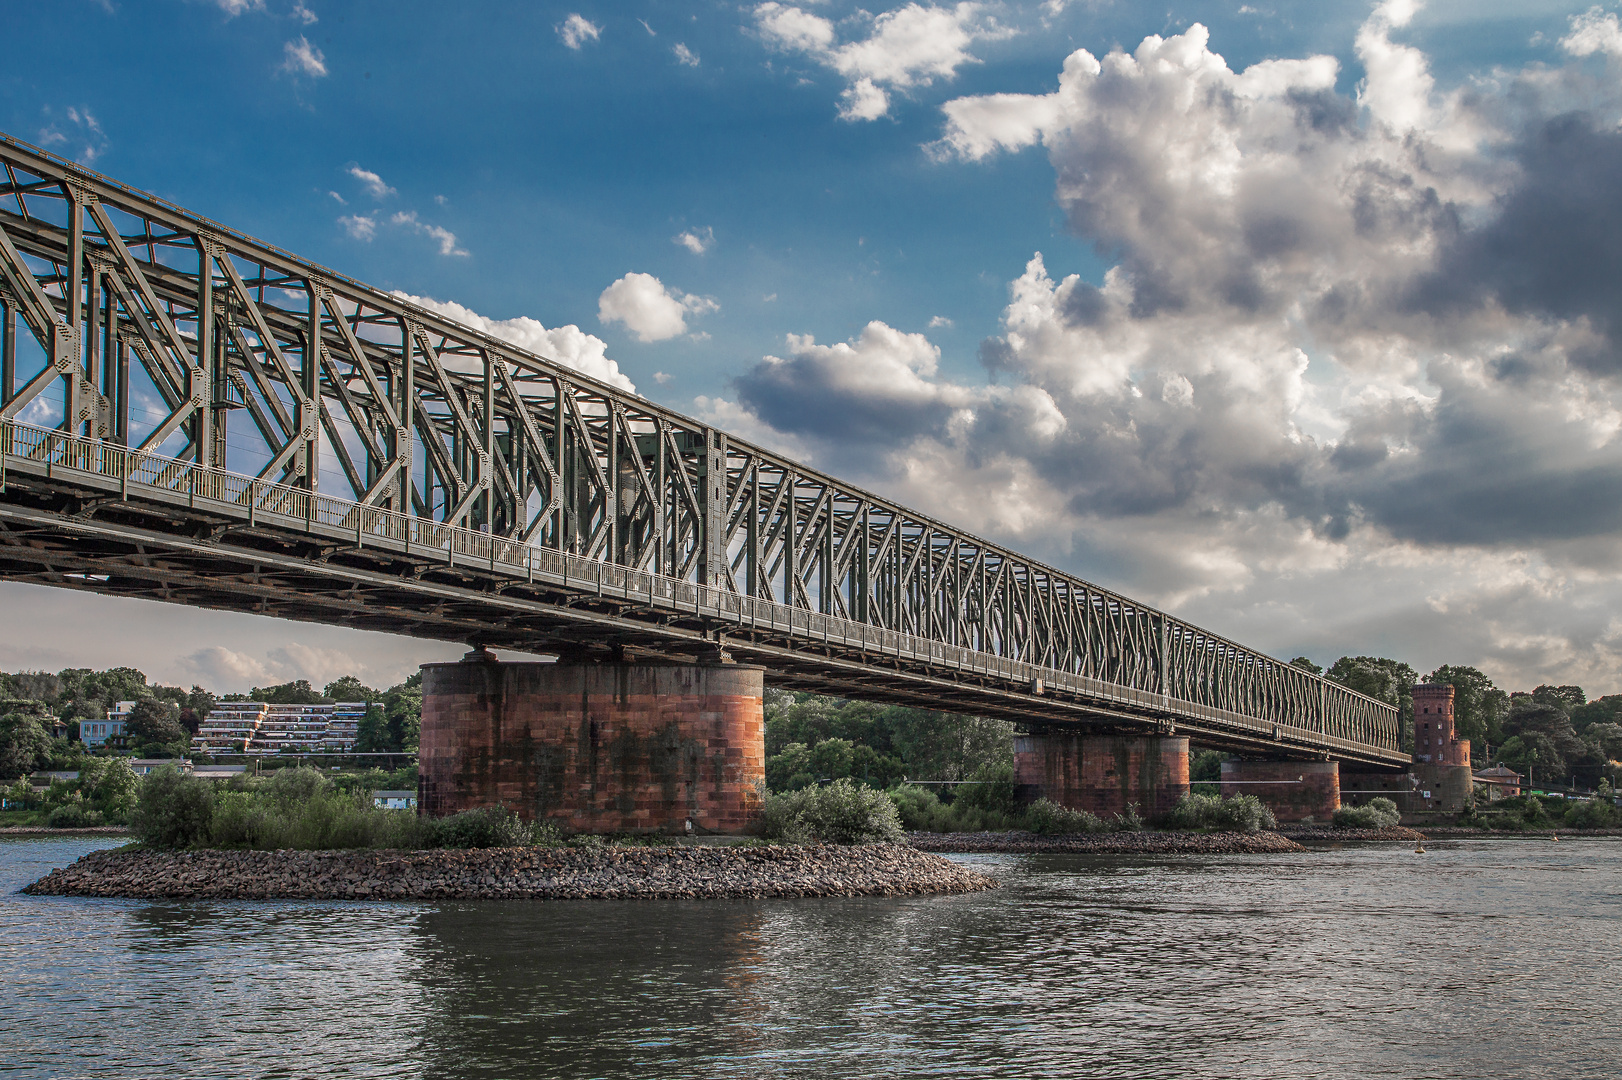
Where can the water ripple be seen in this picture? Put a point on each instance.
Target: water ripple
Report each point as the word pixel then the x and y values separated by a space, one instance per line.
pixel 1474 960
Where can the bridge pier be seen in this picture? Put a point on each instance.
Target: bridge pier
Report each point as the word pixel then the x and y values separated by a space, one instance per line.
pixel 1293 790
pixel 1101 774
pixel 596 748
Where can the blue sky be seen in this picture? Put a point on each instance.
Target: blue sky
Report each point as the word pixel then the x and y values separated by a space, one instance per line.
pixel 519 159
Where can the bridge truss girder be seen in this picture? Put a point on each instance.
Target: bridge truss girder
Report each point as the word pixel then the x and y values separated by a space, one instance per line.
pixel 161 331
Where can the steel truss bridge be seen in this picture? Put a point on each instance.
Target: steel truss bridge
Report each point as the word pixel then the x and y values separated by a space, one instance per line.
pixel 177 398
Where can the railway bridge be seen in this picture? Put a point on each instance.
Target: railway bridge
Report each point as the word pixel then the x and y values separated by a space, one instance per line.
pixel 191 415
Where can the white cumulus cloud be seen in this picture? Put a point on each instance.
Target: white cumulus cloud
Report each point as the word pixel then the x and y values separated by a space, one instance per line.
pixel 576 30
pixel 648 309
pixel 908 47
pixel 566 345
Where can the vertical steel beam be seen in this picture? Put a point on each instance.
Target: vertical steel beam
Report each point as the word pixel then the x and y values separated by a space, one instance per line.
pixel 121 385
pixel 8 349
pixel 210 448
pixel 403 442
pixel 73 293
pixel 310 374
pixel 93 338
pixel 713 493
pixel 487 458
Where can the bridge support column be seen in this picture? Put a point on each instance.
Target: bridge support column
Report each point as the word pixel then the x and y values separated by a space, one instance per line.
pixel 1293 790
pixel 596 748
pixel 1102 773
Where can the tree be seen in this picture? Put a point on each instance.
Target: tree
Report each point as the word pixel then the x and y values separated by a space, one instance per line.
pixel 790 768
pixel 1604 710
pixel 1532 754
pixel 1568 697
pixel 1205 765
pixel 831 758
pixel 155 721
pixel 1390 681
pixel 372 733
pixel 25 745
pixel 1306 665
pixel 1606 738
pixel 349 688
pixel 109 785
pixel 297 692
pixel 402 708
pixel 1545 716
pixel 195 707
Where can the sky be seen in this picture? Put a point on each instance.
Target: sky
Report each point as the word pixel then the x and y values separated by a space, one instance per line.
pixel 1298 319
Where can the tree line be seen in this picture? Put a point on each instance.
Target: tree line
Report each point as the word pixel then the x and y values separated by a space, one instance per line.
pixel 41 713
pixel 1550 733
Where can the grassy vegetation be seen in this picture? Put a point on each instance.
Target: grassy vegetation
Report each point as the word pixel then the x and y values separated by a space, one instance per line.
pixel 302 809
pixel 1378 813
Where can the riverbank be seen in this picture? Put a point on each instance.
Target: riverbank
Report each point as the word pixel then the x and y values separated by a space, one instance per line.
pixel 607 873
pixel 1319 834
pixel 1454 832
pixel 1114 843
pixel 46 830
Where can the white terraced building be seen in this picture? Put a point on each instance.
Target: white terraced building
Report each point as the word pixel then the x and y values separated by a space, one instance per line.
pixel 255 727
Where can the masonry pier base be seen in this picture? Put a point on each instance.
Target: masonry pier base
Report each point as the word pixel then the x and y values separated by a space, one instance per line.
pixel 595 747
pixel 1102 774
pixel 1293 790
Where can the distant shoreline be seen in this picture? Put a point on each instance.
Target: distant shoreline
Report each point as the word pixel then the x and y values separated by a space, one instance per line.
pixel 1113 843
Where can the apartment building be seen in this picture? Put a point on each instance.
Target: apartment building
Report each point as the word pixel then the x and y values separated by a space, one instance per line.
pixel 256 727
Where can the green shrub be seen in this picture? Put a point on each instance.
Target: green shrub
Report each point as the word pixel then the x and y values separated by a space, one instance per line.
pixel 1378 813
pixel 488 827
pixel 991 788
pixel 842 812
pixel 172 810
pixel 920 809
pixel 1592 814
pixel 74 815
pixel 1049 818
pixel 289 787
pixel 1239 813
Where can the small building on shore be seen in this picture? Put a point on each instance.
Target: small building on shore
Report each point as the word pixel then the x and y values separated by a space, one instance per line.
pixel 1498 782
pixel 394 800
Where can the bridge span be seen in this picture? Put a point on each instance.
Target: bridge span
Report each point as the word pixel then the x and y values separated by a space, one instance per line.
pixel 191 415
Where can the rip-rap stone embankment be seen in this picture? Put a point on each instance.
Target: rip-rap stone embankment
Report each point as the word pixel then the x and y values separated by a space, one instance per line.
pixel 606 873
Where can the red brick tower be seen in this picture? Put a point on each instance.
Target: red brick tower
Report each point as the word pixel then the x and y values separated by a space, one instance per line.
pixel 1435 741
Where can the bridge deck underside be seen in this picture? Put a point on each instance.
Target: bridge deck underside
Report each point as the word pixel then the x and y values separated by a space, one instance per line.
pixel 78 531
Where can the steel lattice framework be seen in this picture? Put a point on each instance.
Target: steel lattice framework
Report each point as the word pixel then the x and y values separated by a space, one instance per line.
pixel 179 401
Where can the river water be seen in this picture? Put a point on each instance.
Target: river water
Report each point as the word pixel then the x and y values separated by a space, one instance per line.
pixel 1483 958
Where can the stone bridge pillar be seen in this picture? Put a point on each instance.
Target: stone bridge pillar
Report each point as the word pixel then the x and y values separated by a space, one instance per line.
pixel 1101 773
pixel 596 748
pixel 1293 790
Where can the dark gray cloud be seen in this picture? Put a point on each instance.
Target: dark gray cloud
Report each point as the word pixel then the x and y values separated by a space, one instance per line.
pixel 1553 250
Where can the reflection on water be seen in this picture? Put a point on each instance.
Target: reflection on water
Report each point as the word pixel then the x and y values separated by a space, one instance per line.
pixel 1476 959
